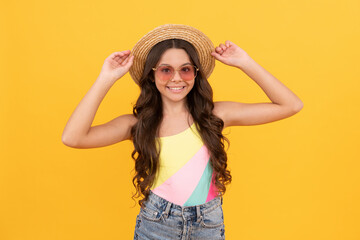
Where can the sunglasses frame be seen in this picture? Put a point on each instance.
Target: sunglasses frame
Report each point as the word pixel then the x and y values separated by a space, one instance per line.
pixel 177 70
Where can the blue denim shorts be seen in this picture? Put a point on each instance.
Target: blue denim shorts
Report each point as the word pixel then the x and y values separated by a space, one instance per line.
pixel 161 219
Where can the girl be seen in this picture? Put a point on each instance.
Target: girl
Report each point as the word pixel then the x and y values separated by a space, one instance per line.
pixel 176 128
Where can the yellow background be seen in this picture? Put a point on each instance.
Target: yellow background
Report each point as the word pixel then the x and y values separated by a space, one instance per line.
pixel 293 179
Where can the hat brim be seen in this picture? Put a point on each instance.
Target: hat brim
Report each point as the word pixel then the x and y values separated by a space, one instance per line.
pixel 199 40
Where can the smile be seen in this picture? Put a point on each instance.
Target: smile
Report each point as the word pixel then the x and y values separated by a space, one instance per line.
pixel 176 89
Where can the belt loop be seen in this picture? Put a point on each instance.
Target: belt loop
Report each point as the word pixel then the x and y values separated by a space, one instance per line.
pixel 197 213
pixel 167 209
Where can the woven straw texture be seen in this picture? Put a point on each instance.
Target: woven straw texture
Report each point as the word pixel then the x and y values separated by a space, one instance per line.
pixel 200 41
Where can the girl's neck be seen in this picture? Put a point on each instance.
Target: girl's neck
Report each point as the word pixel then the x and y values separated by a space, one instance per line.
pixel 175 109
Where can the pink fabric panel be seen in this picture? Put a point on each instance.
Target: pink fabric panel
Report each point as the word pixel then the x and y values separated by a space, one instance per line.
pixel 179 187
pixel 212 189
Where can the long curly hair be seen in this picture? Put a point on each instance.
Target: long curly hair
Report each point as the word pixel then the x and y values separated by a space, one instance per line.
pixel 149 112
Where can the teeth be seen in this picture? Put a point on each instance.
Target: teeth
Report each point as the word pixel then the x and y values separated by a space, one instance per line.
pixel 176 88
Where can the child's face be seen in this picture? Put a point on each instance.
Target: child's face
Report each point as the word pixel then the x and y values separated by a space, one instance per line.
pixel 175 89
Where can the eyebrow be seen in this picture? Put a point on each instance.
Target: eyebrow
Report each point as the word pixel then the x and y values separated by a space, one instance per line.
pixel 164 64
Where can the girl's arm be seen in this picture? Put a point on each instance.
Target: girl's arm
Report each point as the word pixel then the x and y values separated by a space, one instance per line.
pixel 78 132
pixel 284 102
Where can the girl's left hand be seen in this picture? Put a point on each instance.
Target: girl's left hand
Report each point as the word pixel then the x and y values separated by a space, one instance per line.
pixel 230 54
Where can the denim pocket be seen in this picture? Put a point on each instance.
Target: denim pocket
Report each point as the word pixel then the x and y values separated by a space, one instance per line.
pixel 151 213
pixel 213 219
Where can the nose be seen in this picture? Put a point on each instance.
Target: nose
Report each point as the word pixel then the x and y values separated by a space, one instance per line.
pixel 176 77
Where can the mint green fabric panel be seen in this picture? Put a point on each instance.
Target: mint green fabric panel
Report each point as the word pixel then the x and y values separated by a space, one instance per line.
pixel 200 193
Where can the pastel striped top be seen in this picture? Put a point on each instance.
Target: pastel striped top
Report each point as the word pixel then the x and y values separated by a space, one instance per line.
pixel 185 175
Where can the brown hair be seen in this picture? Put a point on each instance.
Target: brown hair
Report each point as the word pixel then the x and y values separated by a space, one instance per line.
pixel 148 111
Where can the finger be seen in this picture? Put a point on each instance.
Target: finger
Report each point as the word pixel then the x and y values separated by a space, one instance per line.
pixel 116 56
pixel 228 43
pixel 219 50
pixel 128 62
pixel 117 59
pixel 123 52
pixel 131 60
pixel 125 61
pixel 217 56
pixel 122 58
pixel 223 46
pixel 120 54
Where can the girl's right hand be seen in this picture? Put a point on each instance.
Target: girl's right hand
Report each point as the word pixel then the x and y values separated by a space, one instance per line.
pixel 117 65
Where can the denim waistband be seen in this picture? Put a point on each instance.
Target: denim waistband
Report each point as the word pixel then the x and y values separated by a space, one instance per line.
pixel 175 209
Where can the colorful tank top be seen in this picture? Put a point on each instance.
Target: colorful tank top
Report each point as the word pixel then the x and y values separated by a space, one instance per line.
pixel 185 176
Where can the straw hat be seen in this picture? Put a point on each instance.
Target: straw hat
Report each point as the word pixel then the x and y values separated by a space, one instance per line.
pixel 199 40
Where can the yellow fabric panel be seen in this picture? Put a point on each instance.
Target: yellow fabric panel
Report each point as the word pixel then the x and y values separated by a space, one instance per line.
pixel 176 151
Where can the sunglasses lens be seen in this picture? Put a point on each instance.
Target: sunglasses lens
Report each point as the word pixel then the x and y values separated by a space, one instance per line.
pixel 187 73
pixel 166 73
